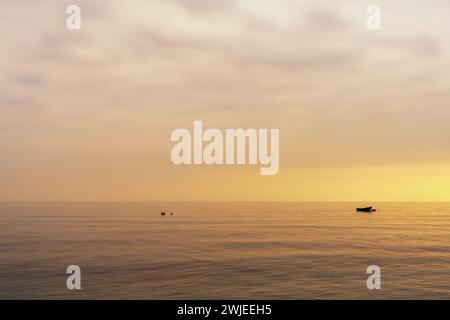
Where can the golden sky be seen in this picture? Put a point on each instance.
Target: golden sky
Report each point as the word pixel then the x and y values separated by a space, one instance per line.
pixel 88 114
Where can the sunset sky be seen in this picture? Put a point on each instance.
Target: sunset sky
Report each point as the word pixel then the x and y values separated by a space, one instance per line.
pixel 87 114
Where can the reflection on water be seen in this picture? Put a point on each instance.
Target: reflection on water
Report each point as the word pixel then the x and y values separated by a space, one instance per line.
pixel 224 250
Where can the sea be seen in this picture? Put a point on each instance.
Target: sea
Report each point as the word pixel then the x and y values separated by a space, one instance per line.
pixel 224 250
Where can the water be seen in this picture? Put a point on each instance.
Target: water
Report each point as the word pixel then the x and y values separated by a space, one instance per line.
pixel 253 250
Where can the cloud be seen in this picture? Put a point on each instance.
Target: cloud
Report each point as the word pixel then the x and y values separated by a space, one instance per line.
pixel 137 69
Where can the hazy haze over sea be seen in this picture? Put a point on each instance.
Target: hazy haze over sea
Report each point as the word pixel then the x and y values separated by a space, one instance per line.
pixel 247 250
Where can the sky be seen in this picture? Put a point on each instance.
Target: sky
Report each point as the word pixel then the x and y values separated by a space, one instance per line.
pixel 87 114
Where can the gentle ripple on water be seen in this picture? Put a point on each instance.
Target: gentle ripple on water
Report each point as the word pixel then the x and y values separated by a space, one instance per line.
pixel 242 250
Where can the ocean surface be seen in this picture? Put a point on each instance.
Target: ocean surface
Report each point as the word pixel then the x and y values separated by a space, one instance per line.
pixel 210 250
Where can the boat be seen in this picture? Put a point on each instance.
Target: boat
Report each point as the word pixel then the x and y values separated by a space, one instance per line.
pixel 163 213
pixel 366 209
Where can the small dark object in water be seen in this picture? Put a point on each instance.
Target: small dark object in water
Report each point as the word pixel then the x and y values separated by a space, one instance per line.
pixel 366 209
pixel 171 213
pixel 163 213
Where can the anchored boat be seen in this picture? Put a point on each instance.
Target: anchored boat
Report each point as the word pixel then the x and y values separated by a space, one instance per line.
pixel 366 209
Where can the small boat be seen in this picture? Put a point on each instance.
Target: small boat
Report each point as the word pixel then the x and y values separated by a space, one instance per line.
pixel 163 213
pixel 171 213
pixel 366 209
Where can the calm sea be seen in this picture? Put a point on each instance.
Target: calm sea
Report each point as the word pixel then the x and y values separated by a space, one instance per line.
pixel 254 250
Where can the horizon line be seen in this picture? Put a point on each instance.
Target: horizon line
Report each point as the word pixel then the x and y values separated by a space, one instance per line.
pixel 231 201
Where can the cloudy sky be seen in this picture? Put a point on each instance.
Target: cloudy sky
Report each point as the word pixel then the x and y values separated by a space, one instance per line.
pixel 87 114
